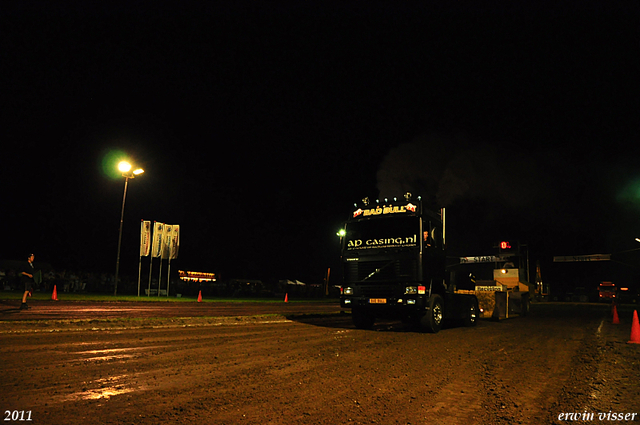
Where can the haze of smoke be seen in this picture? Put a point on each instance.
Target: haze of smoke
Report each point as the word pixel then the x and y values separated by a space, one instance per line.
pixel 415 167
pixel 536 193
pixel 444 169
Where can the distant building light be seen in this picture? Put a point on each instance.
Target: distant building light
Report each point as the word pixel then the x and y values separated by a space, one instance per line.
pixel 197 276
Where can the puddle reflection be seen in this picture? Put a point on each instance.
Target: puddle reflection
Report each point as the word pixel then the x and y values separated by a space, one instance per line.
pixel 106 388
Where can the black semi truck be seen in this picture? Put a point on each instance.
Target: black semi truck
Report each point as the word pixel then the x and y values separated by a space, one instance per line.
pixel 393 256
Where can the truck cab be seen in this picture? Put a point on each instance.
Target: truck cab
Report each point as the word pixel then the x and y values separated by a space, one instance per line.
pixel 393 258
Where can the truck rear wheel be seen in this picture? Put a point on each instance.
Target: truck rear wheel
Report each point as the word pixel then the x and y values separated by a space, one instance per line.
pixel 473 313
pixel 362 319
pixel 432 320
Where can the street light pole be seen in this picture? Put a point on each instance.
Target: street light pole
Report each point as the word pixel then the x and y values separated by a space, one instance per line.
pixel 124 197
pixel 125 168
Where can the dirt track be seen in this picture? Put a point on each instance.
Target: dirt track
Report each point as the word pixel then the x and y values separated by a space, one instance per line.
pixel 75 310
pixel 259 364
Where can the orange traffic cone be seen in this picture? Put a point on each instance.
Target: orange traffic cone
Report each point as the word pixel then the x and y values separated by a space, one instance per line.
pixel 616 319
pixel 200 296
pixel 635 329
pixel 54 296
pixel 286 297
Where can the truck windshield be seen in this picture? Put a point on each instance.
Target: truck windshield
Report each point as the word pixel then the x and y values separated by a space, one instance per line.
pixel 395 232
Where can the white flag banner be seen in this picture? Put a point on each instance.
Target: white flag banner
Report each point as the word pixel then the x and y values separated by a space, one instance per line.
pixel 145 238
pixel 175 242
pixel 158 231
pixel 166 240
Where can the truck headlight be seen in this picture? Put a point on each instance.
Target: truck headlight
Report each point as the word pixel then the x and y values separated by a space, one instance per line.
pixel 348 291
pixel 411 290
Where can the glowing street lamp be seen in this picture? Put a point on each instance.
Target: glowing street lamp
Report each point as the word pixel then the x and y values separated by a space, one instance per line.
pixel 124 166
pixel 125 169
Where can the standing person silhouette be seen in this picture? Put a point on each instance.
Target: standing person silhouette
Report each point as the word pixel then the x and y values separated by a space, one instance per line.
pixel 27 273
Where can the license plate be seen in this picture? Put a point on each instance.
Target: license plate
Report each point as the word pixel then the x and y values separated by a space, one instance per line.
pixel 377 301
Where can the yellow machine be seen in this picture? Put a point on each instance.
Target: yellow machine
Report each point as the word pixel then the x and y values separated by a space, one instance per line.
pixel 507 295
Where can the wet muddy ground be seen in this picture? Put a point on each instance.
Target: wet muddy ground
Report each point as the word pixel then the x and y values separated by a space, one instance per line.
pixel 305 363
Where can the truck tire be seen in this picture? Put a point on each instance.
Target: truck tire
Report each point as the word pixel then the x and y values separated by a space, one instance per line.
pixel 362 319
pixel 473 313
pixel 432 320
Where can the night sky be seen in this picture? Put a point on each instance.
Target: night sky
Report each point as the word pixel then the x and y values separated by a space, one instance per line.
pixel 259 124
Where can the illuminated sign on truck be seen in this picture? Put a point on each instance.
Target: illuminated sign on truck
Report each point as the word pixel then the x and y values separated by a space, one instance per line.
pixel 391 209
pixel 382 243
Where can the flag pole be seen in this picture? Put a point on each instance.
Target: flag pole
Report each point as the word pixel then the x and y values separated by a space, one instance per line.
pixel 160 276
pixel 145 245
pixel 139 273
pixel 150 269
pixel 168 276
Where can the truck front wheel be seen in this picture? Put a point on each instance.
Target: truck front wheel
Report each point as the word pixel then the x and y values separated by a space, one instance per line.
pixel 362 319
pixel 432 320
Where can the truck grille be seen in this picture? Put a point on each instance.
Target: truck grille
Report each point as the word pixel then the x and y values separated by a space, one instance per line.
pixel 380 271
pixel 377 291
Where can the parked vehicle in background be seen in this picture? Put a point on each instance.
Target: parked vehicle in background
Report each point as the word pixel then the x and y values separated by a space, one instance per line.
pixel 607 292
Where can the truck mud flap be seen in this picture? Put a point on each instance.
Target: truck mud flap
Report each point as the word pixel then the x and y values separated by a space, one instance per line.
pixel 500 306
pixel 518 303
